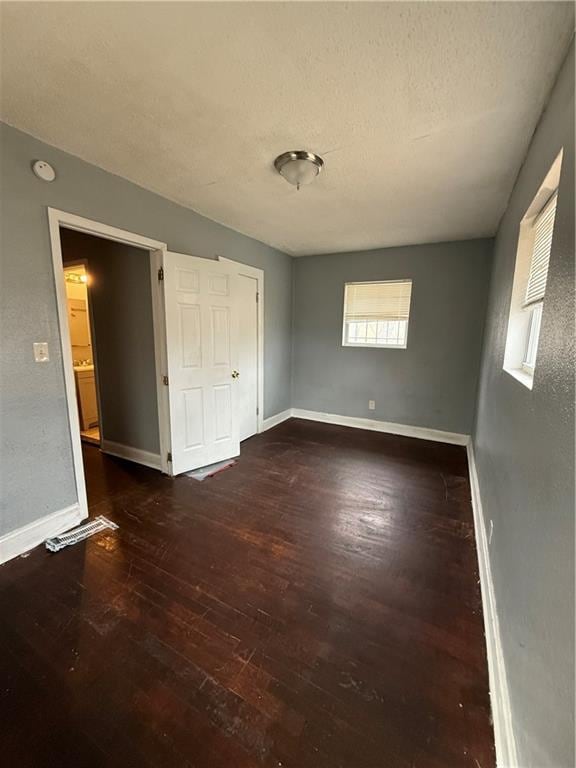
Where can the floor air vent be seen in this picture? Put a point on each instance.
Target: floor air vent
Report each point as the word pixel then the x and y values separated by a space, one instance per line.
pixel 79 534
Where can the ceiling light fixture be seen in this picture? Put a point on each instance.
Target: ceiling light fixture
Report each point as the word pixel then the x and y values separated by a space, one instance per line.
pixel 75 277
pixel 298 167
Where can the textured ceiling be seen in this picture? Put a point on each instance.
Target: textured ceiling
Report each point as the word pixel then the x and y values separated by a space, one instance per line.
pixel 422 111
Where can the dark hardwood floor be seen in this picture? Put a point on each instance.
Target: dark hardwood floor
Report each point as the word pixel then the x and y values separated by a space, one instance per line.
pixel 315 606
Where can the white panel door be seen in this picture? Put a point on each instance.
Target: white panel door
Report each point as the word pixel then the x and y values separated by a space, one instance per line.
pixel 202 348
pixel 248 355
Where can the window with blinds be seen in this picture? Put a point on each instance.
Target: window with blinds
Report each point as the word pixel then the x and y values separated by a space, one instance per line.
pixel 526 313
pixel 376 314
pixel 543 230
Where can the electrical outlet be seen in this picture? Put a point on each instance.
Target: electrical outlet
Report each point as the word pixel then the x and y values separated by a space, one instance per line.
pixel 41 354
pixel 371 405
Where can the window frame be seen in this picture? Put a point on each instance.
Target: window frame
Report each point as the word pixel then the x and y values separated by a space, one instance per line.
pixel 361 345
pixel 525 318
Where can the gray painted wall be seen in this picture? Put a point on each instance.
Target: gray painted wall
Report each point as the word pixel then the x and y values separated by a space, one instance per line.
pixel 123 341
pixel 36 456
pixel 433 382
pixel 524 445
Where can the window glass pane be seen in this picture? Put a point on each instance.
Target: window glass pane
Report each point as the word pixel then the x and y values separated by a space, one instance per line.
pixel 387 333
pixel 533 336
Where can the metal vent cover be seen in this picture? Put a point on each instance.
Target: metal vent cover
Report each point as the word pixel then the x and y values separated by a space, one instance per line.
pixel 101 523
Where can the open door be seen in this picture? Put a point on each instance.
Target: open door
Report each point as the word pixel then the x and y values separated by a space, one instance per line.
pixel 201 330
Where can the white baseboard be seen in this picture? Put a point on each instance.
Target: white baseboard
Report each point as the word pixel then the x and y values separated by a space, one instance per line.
pixel 146 458
pixel 499 697
pixel 278 418
pixel 29 536
pixel 424 433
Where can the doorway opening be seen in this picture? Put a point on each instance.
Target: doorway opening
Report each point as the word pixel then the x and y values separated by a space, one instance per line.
pixel 76 277
pixel 106 366
pixel 111 330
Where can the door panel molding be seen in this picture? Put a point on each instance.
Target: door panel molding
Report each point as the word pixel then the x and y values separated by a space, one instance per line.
pixel 201 327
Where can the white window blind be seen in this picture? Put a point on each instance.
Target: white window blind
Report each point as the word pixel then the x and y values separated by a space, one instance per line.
pixel 377 301
pixel 544 228
pixel 376 314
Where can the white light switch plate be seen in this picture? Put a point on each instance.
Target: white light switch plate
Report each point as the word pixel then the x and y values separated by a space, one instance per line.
pixel 371 405
pixel 41 351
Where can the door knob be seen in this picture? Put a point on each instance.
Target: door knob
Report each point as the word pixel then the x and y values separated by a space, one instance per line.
pixel 235 374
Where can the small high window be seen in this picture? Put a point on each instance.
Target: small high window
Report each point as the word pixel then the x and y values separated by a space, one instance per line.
pixel 530 277
pixel 376 314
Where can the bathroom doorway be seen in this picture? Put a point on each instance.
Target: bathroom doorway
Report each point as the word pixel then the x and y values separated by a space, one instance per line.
pixel 77 281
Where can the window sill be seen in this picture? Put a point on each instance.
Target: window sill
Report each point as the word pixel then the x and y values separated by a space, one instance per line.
pixel 520 375
pixel 374 346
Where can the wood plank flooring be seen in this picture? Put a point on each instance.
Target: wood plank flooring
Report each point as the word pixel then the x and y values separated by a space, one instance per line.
pixel 315 606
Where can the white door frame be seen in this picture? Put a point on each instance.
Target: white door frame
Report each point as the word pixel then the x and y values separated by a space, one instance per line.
pixel 258 275
pixel 156 249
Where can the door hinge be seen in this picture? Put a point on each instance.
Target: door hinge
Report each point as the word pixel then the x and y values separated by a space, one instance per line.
pixel 257 297
pixel 257 411
pixel 161 273
pixel 165 380
pixel 169 457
